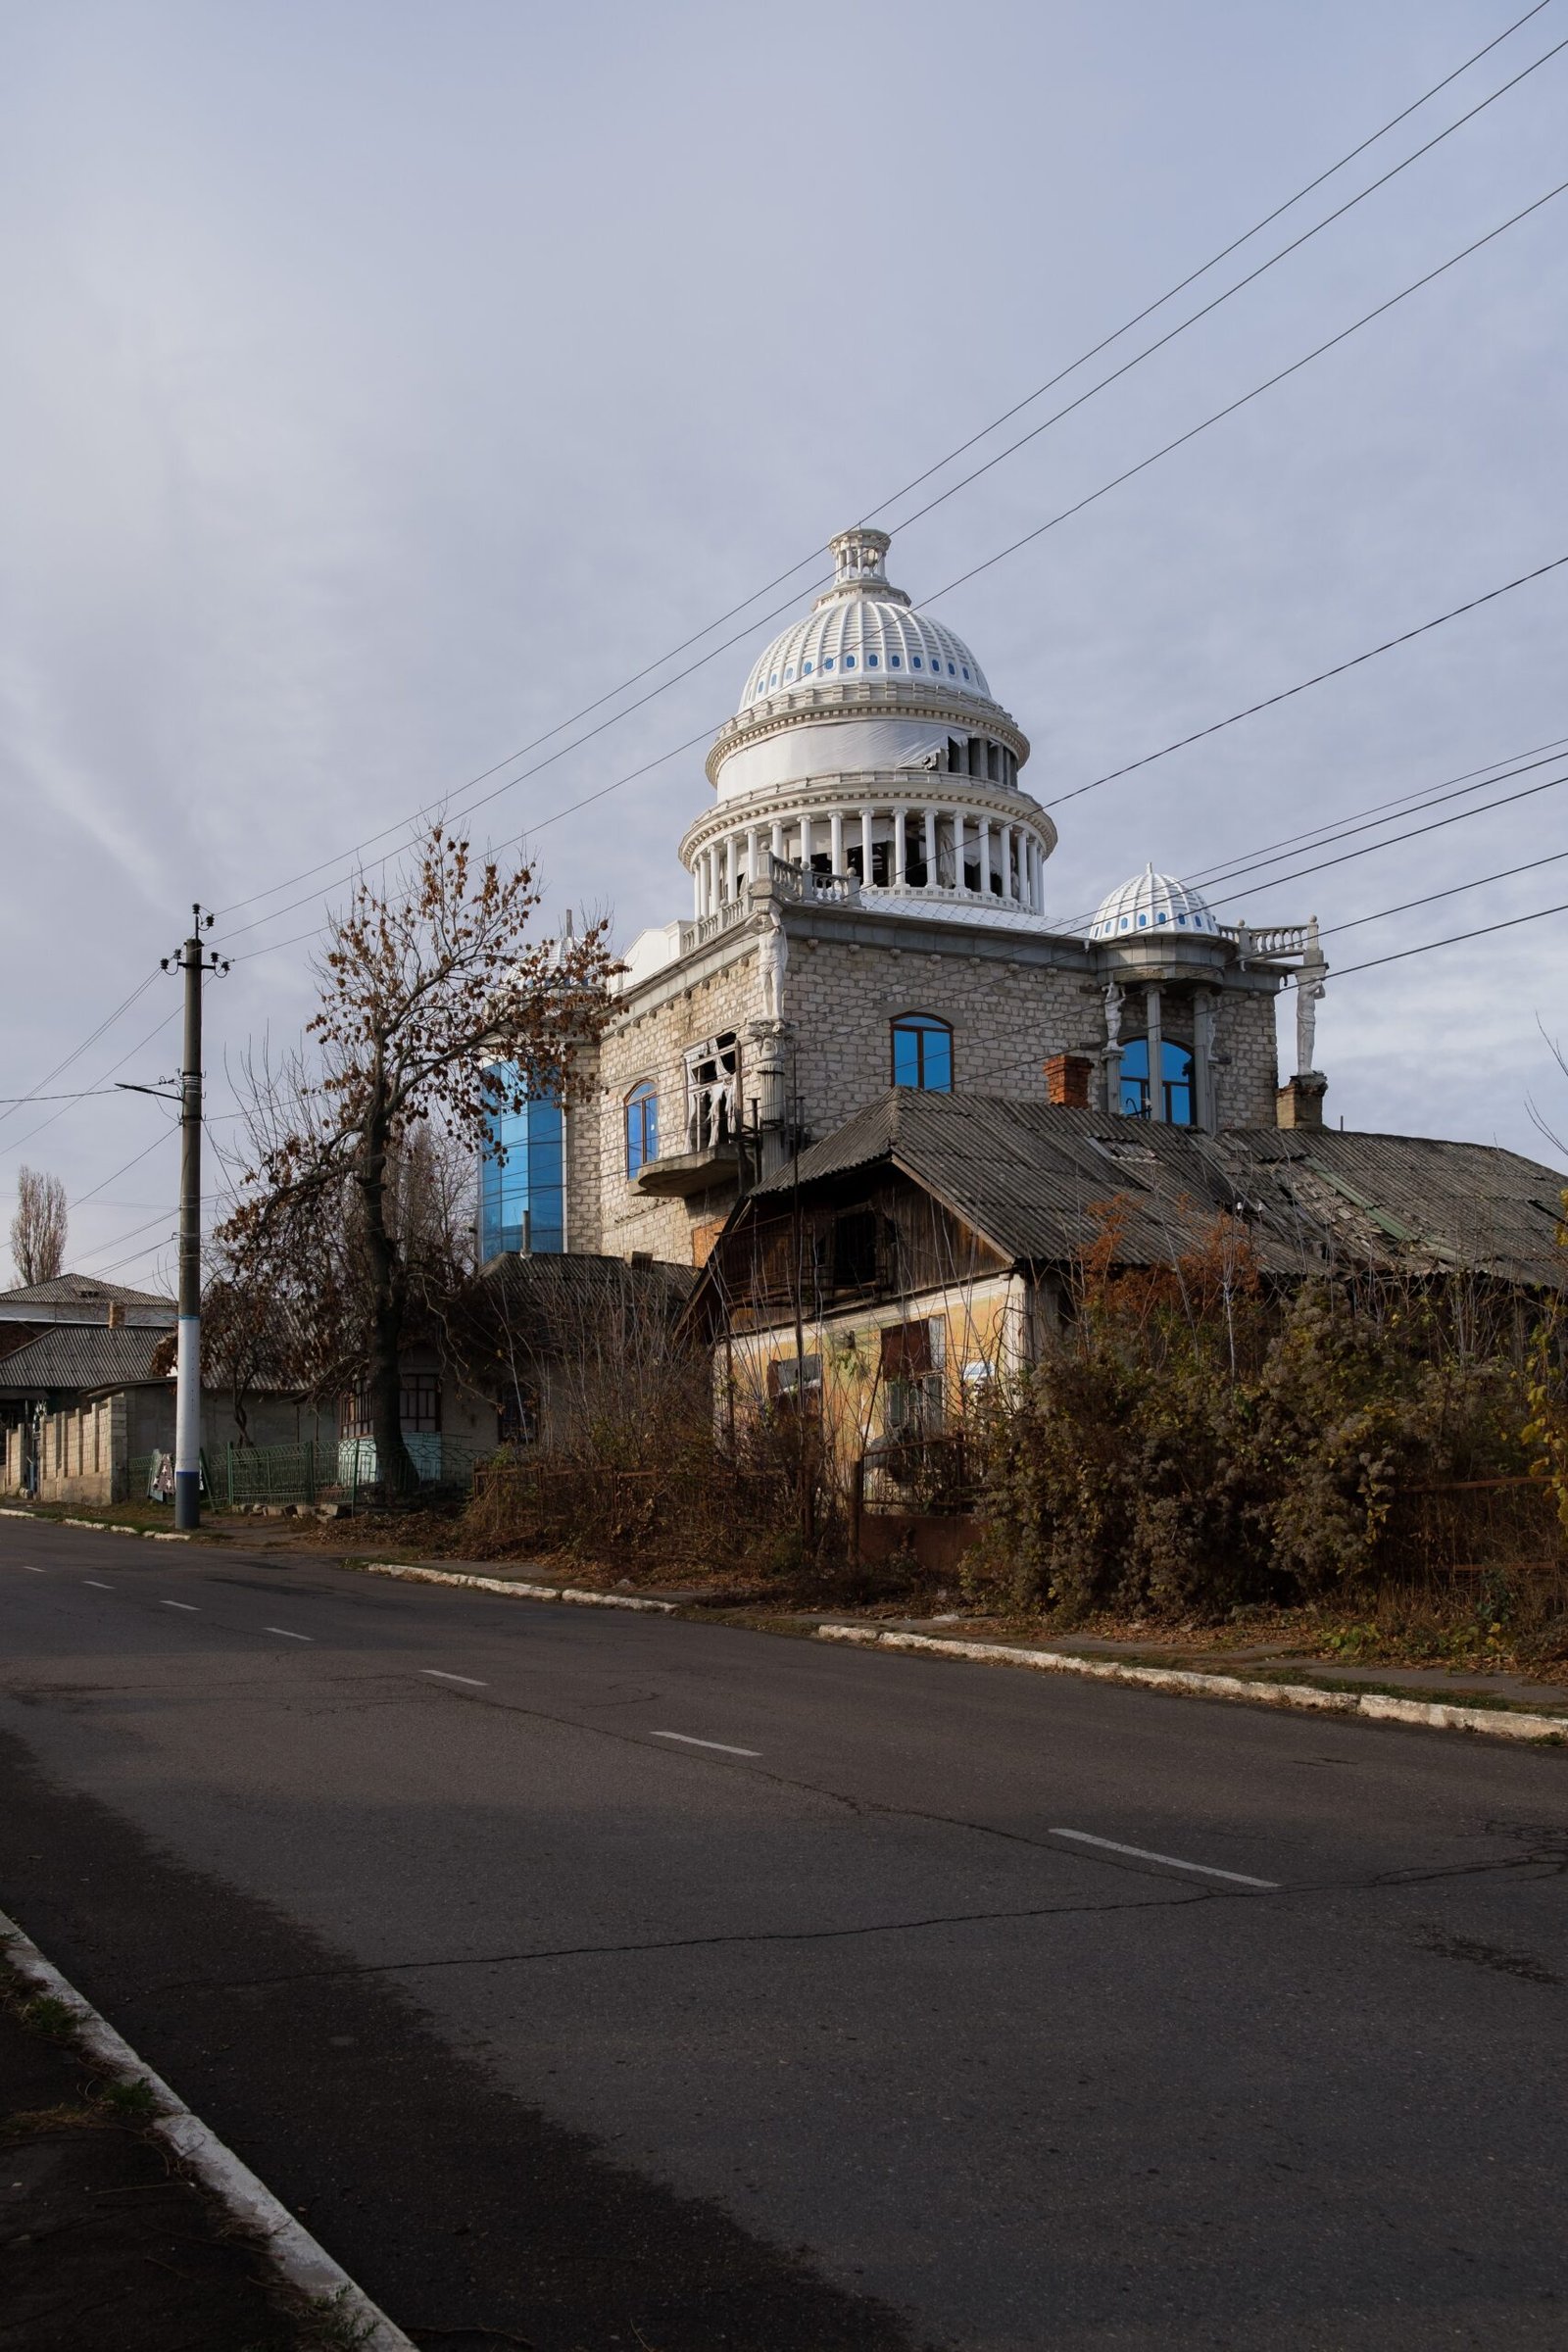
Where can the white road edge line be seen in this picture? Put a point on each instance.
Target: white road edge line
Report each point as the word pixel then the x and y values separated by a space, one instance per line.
pixel 1142 1854
pixel 287 1635
pixel 306 2264
pixel 181 1604
pixel 723 1746
pixel 471 1680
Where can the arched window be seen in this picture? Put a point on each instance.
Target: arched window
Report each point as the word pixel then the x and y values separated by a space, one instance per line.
pixel 922 1052
pixel 642 1126
pixel 1177 1068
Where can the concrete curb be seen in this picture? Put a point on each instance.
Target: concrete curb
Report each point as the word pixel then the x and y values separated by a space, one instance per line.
pixel 575 1594
pixel 1433 1714
pixel 307 2267
pixel 102 1527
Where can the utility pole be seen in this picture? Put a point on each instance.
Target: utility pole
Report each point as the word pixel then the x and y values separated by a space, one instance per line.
pixel 190 959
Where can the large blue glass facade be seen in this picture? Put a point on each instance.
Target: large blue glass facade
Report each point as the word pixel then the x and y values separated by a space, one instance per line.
pixel 522 1194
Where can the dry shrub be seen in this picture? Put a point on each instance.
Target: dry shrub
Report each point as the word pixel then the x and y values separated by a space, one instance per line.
pixel 1191 1442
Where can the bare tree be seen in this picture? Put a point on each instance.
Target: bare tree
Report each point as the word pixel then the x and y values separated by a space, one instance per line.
pixel 437 1012
pixel 39 1228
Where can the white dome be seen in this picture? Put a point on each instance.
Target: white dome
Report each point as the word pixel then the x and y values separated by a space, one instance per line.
pixel 1153 902
pixel 862 628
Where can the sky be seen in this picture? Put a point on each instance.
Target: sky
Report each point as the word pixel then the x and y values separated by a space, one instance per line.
pixel 389 383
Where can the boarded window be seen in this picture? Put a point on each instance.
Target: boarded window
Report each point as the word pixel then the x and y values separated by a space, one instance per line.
pixel 906 1352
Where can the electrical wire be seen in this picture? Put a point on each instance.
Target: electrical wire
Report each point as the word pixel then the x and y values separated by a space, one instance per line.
pixel 433 807
pixel 1279 376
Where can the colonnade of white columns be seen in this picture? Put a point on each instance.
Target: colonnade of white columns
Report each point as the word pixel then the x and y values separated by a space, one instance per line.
pixel 951 840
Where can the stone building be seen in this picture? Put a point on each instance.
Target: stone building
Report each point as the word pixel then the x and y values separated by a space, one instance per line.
pixel 869 906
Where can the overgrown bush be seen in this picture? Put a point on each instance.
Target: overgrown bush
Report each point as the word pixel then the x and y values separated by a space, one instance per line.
pixel 1191 1441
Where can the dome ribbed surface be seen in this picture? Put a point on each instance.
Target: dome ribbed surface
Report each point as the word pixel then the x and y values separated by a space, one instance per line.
pixel 864 628
pixel 1153 902
pixel 859 637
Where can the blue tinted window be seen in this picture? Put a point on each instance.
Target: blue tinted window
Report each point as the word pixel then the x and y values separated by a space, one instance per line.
pixel 914 660
pixel 1176 1064
pixel 922 1053
pixel 873 661
pixel 522 1197
pixel 849 661
pixel 895 660
pixel 642 1126
pixel 827 661
pixel 806 669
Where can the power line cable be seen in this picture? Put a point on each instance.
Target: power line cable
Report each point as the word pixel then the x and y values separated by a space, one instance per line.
pixel 1455 939
pixel 433 807
pixel 1380 310
pixel 1262 269
pixel 1453 788
pixel 1476 882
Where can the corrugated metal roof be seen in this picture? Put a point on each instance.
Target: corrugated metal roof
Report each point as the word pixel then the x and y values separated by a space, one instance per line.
pixel 88 1356
pixel 70 1288
pixel 1029 1176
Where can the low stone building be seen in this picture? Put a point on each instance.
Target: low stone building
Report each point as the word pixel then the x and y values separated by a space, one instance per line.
pixel 870 906
pixel 87 1412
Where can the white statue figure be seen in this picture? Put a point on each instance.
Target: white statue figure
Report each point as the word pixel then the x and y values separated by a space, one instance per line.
pixel 1308 989
pixel 772 957
pixel 1114 1003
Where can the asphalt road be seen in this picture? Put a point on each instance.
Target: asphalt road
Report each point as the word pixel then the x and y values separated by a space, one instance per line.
pixel 594 1979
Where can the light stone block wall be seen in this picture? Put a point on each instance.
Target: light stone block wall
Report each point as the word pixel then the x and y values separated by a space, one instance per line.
pixel 724 992
pixel 1249 1082
pixel 1008 1014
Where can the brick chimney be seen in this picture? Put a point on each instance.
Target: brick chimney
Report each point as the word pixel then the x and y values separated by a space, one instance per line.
pixel 117 1313
pixel 1300 1100
pixel 1067 1077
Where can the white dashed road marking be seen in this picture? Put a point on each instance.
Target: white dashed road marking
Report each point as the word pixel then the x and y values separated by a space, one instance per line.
pixel 96 1585
pixel 287 1635
pixel 32 1571
pixel 455 1678
pixel 721 1746
pixel 1141 1853
pixel 181 1604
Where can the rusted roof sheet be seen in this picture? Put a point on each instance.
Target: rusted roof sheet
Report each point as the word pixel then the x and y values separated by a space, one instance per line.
pixel 1030 1177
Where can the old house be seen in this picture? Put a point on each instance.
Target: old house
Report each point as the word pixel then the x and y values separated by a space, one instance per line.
pixel 928 1245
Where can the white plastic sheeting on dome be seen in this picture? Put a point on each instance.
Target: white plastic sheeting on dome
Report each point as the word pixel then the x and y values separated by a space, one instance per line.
pixel 1153 902
pixel 849 746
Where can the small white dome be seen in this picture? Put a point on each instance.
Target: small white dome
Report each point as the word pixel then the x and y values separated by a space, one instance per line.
pixel 1153 902
pixel 863 629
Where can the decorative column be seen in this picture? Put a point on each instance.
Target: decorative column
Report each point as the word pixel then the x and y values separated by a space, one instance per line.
pixel 958 882
pixel 777 844
pixel 985 857
pixel 835 825
pixel 1203 1112
pixel 697 889
pixel 1157 1054
pixel 807 831
pixel 751 874
pixel 1006 862
pixel 930 848
pixel 900 846
pixel 866 816
pixel 730 866
pixel 1111 1058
